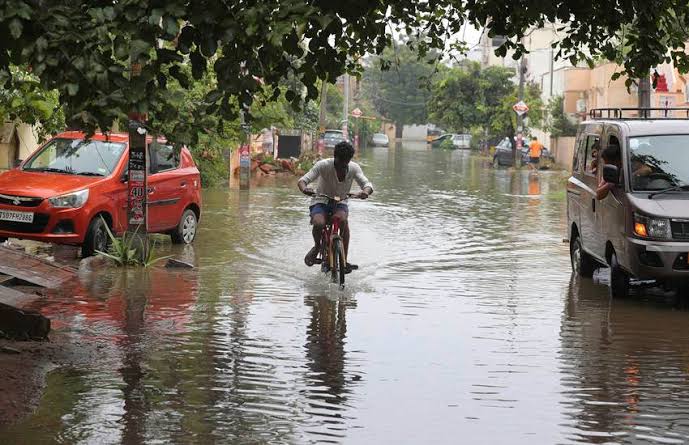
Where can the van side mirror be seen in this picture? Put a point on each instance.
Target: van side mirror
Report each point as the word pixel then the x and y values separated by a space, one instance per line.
pixel 611 174
pixel 17 163
pixel 125 177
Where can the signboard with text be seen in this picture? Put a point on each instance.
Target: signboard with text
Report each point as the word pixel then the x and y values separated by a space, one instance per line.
pixel 520 107
pixel 137 205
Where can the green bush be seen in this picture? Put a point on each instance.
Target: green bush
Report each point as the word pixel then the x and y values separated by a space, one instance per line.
pixel 447 144
pixel 214 171
pixel 123 252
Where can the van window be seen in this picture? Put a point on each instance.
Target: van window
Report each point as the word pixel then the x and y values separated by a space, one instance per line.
pixel 579 155
pixel 592 150
pixel 659 162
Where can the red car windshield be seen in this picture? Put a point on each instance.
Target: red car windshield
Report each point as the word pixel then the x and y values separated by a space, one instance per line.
pixel 77 157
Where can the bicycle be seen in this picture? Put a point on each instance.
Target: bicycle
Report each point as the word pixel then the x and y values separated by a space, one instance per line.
pixel 332 255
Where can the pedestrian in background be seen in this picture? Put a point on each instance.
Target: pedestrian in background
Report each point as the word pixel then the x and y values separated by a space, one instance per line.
pixel 535 149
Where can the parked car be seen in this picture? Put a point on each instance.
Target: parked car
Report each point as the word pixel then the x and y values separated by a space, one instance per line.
pixel 546 157
pixel 641 228
pixel 503 155
pixel 380 139
pixel 68 187
pixel 437 142
pixel 333 137
pixel 462 141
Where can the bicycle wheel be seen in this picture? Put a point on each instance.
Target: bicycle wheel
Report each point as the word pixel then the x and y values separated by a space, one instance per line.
pixel 338 270
pixel 325 261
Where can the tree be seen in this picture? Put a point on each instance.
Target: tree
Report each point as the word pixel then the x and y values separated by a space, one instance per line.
pixel 83 49
pixel 397 84
pixel 466 97
pixel 333 107
pixel 24 100
pixel 503 121
pixel 453 104
pixel 557 122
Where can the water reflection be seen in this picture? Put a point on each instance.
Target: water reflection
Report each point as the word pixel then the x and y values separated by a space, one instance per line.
pixel 133 390
pixel 625 368
pixel 330 377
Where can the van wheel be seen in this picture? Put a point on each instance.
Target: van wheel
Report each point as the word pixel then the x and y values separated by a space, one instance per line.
pixel 583 264
pixel 619 279
pixel 185 232
pixel 2 240
pixel 96 238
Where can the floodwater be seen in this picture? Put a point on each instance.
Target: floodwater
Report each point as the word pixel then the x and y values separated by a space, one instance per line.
pixel 462 325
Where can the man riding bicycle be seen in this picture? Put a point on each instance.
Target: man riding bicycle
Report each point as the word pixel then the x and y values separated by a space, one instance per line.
pixel 335 177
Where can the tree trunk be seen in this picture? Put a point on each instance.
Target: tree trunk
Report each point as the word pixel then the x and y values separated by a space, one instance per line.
pixel 398 130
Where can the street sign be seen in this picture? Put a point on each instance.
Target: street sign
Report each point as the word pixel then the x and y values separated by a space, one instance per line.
pixel 520 107
pixel 137 182
pixel 356 112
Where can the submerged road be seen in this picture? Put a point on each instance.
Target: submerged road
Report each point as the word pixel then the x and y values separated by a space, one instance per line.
pixel 463 325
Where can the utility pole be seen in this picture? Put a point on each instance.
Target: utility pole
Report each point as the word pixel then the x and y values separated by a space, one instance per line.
pixel 324 105
pixel 520 116
pixel 345 107
pixel 552 67
pixel 137 180
pixel 244 153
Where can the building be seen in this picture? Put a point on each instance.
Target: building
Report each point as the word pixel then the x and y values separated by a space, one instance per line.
pixel 582 88
pixel 17 142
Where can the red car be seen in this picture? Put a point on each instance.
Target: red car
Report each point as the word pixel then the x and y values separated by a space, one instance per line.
pixel 60 192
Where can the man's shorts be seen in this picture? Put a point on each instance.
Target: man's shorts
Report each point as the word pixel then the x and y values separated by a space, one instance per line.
pixel 533 160
pixel 326 209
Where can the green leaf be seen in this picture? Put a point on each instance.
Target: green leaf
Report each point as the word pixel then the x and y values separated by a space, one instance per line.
pixel 15 27
pixel 156 15
pixel 171 25
pixel 45 108
pixel 109 13
pixel 138 47
pixel 209 46
pixel 41 43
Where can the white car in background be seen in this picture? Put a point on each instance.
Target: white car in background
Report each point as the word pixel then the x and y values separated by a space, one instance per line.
pixel 380 139
pixel 461 141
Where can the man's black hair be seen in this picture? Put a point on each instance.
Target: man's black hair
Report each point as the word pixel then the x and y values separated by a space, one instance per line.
pixel 611 153
pixel 344 151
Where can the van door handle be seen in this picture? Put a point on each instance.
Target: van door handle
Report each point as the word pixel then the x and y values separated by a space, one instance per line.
pixel 183 184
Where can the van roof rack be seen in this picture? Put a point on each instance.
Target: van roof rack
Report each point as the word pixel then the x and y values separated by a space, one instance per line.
pixel 639 113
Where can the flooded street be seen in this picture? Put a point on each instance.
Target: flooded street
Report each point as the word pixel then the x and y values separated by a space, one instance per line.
pixel 462 325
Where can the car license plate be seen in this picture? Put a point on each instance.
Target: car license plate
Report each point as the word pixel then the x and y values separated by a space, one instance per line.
pixel 22 217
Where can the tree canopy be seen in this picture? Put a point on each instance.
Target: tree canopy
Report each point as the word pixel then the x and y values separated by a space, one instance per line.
pixel 82 49
pixel 397 84
pixel 468 98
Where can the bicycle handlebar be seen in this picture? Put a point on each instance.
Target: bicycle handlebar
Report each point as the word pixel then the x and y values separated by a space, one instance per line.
pixel 336 198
